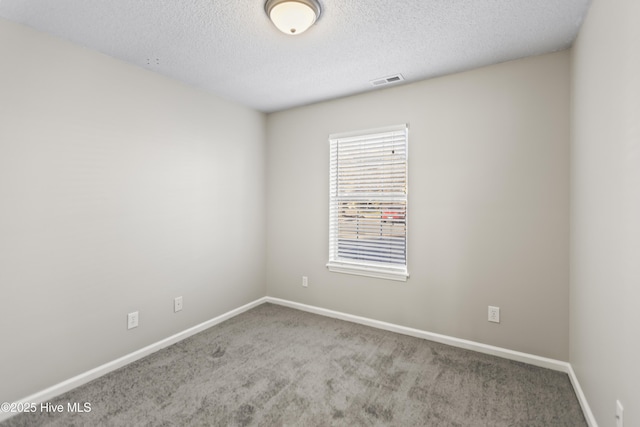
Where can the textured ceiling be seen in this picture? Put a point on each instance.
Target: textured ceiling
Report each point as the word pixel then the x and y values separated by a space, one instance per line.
pixel 230 48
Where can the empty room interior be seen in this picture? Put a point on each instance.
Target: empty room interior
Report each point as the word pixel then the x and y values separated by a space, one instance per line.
pixel 184 237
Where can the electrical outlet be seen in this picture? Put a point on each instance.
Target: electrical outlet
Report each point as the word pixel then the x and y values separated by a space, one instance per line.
pixel 494 314
pixel 177 304
pixel 619 411
pixel 132 320
pixel 305 281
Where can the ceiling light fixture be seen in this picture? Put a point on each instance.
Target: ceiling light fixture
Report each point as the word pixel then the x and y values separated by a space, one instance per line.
pixel 292 17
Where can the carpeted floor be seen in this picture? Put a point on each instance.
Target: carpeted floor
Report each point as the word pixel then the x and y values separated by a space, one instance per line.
pixel 275 366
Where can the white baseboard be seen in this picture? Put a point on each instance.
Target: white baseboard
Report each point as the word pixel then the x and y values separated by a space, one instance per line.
pixel 586 409
pixel 557 365
pixel 78 380
pixel 531 359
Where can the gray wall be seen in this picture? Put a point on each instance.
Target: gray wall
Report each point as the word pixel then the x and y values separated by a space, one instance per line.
pixel 488 205
pixel 605 209
pixel 119 190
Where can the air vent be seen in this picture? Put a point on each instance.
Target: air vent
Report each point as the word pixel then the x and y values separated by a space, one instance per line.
pixel 387 80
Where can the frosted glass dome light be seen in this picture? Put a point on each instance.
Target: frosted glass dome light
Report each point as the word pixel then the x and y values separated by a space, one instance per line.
pixel 292 17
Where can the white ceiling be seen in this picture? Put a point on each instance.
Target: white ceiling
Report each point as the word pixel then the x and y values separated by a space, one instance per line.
pixel 230 48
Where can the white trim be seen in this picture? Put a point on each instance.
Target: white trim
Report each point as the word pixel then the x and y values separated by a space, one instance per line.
pixel 361 270
pixel 531 359
pixel 78 380
pixel 586 409
pixel 384 129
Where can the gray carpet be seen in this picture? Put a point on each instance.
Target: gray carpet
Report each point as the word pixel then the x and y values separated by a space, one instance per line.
pixel 274 366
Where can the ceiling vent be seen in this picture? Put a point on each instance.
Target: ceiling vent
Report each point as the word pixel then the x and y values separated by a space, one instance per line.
pixel 387 80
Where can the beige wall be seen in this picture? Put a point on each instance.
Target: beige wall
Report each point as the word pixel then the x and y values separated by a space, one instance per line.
pixel 488 205
pixel 119 190
pixel 605 209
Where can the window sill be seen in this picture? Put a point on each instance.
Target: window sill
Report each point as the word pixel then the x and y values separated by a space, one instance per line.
pixel 400 275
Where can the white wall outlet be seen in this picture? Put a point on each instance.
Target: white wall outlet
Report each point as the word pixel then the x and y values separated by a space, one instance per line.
pixel 132 320
pixel 305 281
pixel 619 411
pixel 494 314
pixel 177 304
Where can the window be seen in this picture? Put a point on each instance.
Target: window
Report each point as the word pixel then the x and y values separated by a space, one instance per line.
pixel 368 203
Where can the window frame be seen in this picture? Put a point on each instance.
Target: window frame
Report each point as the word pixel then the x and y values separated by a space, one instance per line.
pixel 390 271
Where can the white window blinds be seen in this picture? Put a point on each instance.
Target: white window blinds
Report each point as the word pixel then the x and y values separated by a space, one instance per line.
pixel 368 203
